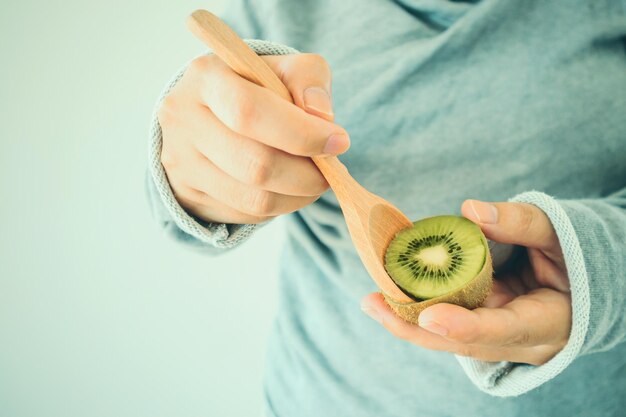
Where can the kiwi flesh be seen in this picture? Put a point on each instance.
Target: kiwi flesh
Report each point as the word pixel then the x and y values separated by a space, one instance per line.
pixel 442 259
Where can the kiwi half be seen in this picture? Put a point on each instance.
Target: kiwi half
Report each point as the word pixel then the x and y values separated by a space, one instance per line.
pixel 442 259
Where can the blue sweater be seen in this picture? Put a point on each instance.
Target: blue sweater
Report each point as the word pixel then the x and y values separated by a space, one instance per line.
pixel 447 100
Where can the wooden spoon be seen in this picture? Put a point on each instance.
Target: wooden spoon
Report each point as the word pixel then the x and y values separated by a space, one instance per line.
pixel 372 221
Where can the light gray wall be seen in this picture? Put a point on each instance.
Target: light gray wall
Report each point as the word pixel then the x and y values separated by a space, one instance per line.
pixel 100 314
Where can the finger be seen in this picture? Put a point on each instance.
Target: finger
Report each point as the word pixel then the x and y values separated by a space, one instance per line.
pixel 516 284
pixel 547 273
pixel 375 306
pixel 258 113
pixel 515 223
pixel 541 317
pixel 254 163
pixel 500 295
pixel 201 174
pixel 534 355
pixel 200 205
pixel 308 78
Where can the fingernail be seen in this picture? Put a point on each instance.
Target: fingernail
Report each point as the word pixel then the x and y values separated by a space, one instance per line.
pixel 485 213
pixel 372 313
pixel 433 327
pixel 336 144
pixel 318 100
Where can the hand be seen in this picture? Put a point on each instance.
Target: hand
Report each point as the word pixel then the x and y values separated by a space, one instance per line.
pixel 235 152
pixel 526 318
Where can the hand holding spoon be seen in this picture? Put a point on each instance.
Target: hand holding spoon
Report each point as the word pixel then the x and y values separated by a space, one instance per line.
pixel 372 221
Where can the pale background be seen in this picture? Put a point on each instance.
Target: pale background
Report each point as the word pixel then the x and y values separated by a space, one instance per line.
pixel 100 314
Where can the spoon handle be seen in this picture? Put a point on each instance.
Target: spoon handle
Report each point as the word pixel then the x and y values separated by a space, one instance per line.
pixel 226 44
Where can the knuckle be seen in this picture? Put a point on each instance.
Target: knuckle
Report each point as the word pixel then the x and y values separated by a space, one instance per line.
pixel 195 197
pixel 168 159
pixel 207 73
pixel 323 186
pixel 317 60
pixel 243 113
pixel 397 331
pixel 260 203
pixel 319 185
pixel 256 219
pixel 186 196
pixel 308 144
pixel 541 354
pixel 522 334
pixel 166 114
pixel 200 64
pixel 526 219
pixel 306 68
pixel 259 168
pixel 520 338
pixel 465 337
pixel 467 351
pixel 537 361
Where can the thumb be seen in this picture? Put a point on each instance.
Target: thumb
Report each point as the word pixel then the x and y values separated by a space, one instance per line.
pixel 514 223
pixel 308 79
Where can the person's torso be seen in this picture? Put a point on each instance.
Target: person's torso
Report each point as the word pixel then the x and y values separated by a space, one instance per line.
pixel 443 101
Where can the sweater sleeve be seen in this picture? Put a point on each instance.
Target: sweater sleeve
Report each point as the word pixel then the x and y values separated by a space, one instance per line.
pixel 592 234
pixel 173 219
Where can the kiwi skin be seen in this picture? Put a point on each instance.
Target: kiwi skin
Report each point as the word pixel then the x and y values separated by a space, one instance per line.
pixel 470 296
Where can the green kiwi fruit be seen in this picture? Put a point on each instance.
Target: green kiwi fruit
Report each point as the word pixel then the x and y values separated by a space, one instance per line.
pixel 442 259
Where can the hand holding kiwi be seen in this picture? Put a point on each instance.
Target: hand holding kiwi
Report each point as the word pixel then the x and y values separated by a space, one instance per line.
pixel 524 315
